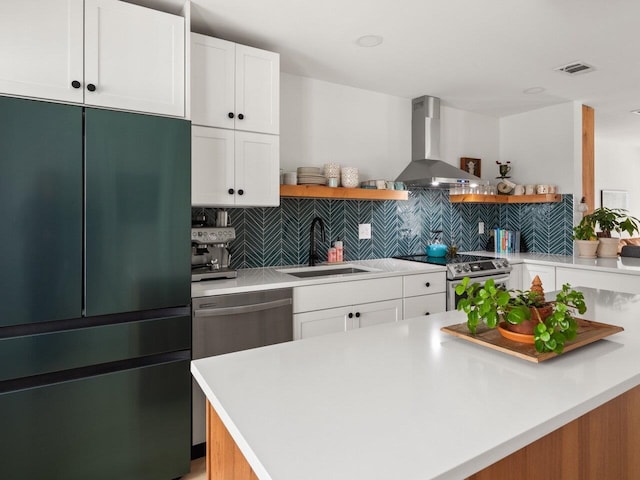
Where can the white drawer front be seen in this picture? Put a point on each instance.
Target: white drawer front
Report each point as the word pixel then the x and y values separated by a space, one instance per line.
pixel 329 295
pixel 605 280
pixel 424 284
pixel 424 304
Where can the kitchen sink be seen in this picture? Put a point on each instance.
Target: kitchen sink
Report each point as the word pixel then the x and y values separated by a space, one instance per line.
pixel 322 271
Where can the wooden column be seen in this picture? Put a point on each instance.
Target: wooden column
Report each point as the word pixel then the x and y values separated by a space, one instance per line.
pixel 588 156
pixel 602 444
pixel 224 459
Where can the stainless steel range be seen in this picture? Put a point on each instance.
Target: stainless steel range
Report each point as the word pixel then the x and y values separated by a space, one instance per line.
pixel 480 269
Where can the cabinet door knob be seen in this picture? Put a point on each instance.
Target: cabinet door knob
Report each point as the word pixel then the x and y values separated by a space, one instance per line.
pixel 241 116
pixel 427 313
pixel 240 192
pixel 91 87
pixel 427 284
pixel 75 84
pixel 350 315
pixel 357 314
pixel 230 114
pixel 230 191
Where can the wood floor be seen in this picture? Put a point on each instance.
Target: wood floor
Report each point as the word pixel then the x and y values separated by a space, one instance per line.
pixel 198 470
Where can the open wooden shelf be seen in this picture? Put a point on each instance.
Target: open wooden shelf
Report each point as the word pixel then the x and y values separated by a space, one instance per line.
pixel 338 193
pixel 476 198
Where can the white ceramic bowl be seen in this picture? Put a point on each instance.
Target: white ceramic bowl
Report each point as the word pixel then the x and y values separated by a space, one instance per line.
pixel 349 177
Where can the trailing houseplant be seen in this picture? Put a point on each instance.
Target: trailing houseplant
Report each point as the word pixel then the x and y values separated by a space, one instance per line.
pixel 491 305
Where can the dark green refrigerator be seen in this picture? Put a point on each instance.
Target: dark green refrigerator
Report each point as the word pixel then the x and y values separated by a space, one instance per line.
pixel 95 292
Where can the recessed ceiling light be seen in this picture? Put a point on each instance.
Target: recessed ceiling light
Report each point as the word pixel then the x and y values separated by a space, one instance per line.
pixel 533 90
pixel 369 40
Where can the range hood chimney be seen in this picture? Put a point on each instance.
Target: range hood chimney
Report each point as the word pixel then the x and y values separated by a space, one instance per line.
pixel 426 169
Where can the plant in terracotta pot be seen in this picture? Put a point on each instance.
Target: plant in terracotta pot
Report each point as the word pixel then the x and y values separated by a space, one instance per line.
pixel 550 324
pixel 612 220
pixel 585 236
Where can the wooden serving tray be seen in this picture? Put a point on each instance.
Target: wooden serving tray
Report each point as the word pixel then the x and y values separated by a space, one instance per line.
pixel 588 332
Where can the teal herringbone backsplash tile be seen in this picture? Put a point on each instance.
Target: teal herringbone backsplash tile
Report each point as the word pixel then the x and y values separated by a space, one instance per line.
pixel 280 236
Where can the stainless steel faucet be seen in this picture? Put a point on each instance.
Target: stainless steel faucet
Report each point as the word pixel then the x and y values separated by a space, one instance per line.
pixel 313 254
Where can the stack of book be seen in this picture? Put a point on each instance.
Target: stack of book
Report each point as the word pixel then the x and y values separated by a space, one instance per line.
pixel 506 241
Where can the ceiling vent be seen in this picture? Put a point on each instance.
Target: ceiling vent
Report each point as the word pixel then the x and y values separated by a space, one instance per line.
pixel 575 68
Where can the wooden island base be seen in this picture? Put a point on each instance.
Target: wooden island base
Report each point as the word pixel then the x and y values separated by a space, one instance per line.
pixel 603 444
pixel 224 459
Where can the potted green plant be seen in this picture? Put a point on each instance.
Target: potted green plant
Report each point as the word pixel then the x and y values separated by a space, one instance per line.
pixel 612 220
pixel 552 324
pixel 585 236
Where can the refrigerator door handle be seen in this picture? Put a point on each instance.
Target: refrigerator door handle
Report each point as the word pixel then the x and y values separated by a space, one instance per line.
pixel 203 311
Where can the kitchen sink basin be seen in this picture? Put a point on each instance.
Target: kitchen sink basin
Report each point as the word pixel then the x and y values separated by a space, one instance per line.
pixel 322 271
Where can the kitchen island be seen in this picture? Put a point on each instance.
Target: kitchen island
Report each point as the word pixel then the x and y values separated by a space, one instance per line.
pixel 407 401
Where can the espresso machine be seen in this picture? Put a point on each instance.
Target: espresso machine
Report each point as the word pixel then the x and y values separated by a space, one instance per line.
pixel 210 257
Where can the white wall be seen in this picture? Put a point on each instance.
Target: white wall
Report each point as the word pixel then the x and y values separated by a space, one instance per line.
pixel 324 122
pixel 544 146
pixel 467 134
pixel 617 167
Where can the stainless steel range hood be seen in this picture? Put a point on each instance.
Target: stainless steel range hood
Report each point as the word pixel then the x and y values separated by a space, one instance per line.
pixel 426 169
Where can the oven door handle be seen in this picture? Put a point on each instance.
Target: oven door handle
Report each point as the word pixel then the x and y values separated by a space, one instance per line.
pixel 241 309
pixel 501 278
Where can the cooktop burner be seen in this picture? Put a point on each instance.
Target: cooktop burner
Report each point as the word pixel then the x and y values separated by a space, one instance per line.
pixel 462 258
pixel 462 265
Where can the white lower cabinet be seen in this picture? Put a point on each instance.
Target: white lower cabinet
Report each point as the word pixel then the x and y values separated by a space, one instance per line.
pixel 424 305
pixel 337 307
pixel 341 319
pixel 546 273
pixel 618 282
pixel 424 294
pixel 515 278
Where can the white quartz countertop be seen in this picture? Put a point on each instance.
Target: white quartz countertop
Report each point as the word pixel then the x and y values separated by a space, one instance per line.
pixel 624 265
pixel 408 401
pixel 251 279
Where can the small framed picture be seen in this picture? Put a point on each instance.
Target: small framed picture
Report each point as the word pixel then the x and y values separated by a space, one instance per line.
pixel 471 165
pixel 614 199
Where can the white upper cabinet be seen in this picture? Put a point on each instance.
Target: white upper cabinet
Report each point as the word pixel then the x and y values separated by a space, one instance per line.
pixel 104 53
pixel 134 57
pixel 257 90
pixel 41 53
pixel 232 168
pixel 234 86
pixel 257 170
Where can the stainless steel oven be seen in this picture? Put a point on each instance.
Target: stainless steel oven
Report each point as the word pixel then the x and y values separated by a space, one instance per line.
pixel 479 269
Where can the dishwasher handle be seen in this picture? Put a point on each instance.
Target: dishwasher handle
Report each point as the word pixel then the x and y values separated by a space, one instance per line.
pixel 203 311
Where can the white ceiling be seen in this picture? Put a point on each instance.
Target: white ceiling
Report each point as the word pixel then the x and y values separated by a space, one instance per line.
pixel 474 55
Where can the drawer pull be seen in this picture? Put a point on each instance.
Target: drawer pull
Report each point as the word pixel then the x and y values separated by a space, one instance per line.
pixel 428 284
pixel 427 313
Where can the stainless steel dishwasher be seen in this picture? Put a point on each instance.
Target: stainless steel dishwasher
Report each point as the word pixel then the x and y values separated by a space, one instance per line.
pixel 230 323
